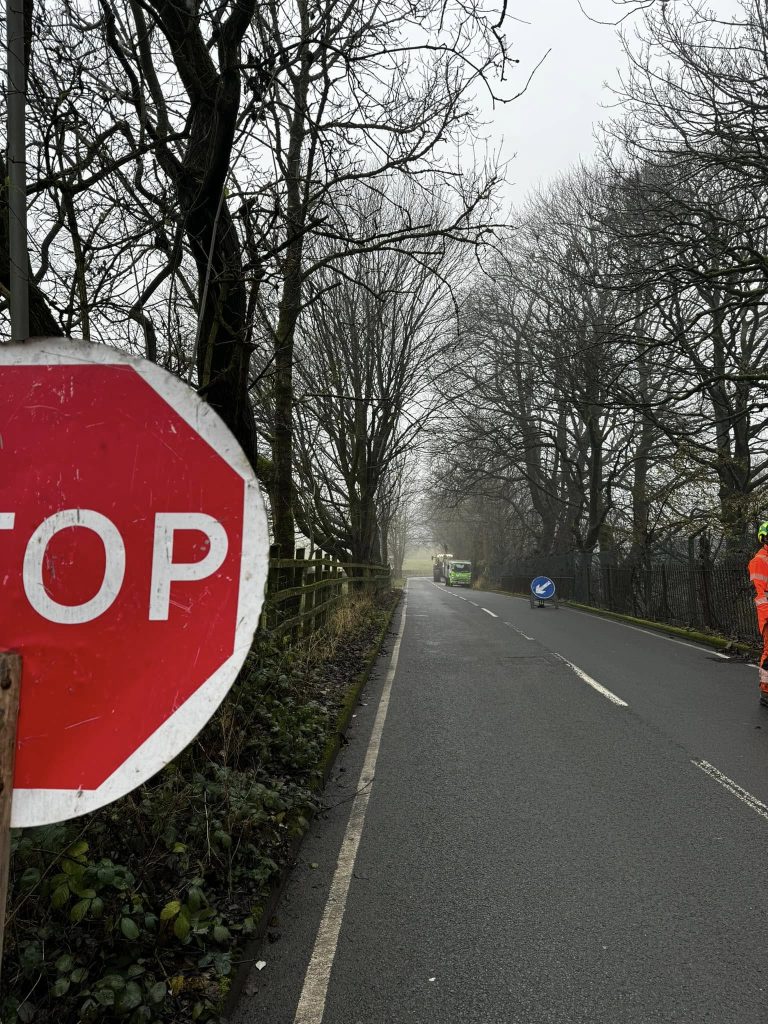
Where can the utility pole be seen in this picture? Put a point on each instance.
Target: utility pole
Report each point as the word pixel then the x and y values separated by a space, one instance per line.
pixel 17 171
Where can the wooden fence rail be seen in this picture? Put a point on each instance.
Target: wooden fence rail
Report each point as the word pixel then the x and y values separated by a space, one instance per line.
pixel 302 592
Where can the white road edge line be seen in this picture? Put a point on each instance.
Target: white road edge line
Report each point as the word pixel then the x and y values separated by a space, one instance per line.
pixel 639 629
pixel 658 635
pixel 492 614
pixel 311 1008
pixel 733 787
pixel 594 683
pixel 475 604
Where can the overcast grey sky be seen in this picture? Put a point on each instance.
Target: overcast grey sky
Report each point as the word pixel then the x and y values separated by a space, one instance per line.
pixel 551 125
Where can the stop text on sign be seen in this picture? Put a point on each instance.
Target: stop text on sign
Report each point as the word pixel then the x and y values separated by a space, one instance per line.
pixel 165 570
pixel 133 560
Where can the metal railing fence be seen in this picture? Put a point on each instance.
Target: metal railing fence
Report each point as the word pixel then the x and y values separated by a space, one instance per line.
pixel 712 599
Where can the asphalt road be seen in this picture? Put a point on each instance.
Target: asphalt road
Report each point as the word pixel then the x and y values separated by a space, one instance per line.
pixel 511 845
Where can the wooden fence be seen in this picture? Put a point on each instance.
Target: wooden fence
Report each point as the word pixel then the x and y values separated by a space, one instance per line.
pixel 302 592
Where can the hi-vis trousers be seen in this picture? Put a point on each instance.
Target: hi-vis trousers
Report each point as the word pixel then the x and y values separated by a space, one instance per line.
pixel 763 670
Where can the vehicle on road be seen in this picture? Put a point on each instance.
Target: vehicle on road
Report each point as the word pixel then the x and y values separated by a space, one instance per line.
pixel 457 574
pixel 438 566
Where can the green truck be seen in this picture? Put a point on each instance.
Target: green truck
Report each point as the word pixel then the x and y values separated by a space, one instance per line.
pixel 456 573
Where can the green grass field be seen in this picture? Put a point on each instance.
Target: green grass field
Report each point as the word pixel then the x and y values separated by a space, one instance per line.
pixel 418 562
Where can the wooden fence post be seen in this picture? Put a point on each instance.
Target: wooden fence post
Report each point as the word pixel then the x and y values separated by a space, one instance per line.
pixel 10 688
pixel 317 618
pixel 300 580
pixel 327 593
pixel 273 585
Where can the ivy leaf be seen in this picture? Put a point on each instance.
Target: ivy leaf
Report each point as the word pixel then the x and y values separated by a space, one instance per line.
pixel 129 929
pixel 61 986
pixel 129 998
pixel 29 878
pixel 195 898
pixel 78 912
pixel 170 910
pixel 222 964
pixel 79 890
pixel 158 992
pixel 60 897
pixel 181 927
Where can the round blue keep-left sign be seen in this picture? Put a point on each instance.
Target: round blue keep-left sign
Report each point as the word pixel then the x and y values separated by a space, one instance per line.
pixel 543 588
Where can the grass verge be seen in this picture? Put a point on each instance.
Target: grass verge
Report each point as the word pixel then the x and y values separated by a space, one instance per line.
pixel 140 912
pixel 332 747
pixel 696 636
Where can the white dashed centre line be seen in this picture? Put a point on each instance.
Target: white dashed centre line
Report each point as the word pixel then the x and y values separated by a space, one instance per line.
pixel 594 683
pixel 492 614
pixel 733 787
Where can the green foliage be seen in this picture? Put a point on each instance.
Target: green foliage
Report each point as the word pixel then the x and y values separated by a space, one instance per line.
pixel 136 913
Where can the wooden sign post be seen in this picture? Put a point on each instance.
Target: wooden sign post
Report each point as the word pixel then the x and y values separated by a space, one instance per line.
pixel 10 686
pixel 130 519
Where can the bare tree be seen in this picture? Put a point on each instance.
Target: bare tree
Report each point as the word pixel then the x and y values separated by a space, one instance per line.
pixel 188 152
pixel 368 351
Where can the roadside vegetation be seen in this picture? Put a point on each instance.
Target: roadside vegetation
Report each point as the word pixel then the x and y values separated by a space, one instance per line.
pixel 609 425
pixel 141 911
pixel 290 207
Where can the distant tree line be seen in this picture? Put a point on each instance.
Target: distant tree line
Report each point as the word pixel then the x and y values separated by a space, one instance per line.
pixel 609 395
pixel 273 201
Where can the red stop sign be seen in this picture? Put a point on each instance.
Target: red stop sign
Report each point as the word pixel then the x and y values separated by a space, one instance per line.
pixel 133 558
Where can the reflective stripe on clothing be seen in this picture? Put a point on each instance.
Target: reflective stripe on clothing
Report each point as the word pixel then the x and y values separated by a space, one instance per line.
pixel 758 574
pixel 762 673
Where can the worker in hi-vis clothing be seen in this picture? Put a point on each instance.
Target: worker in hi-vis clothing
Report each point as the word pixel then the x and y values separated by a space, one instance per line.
pixel 758 574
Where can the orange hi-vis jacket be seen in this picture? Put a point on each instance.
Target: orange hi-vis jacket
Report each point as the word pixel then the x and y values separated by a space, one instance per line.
pixel 758 574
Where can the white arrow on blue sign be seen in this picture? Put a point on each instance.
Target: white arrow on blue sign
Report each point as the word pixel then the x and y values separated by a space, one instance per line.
pixel 543 588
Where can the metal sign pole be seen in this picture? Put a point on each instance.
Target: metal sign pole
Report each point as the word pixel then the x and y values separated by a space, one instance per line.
pixel 17 171
pixel 10 687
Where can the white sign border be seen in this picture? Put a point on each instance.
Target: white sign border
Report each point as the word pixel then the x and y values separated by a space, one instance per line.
pixel 45 806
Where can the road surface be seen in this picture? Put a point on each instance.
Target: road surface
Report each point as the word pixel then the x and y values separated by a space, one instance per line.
pixel 542 817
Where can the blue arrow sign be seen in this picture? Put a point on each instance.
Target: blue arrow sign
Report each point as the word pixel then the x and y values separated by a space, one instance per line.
pixel 543 588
